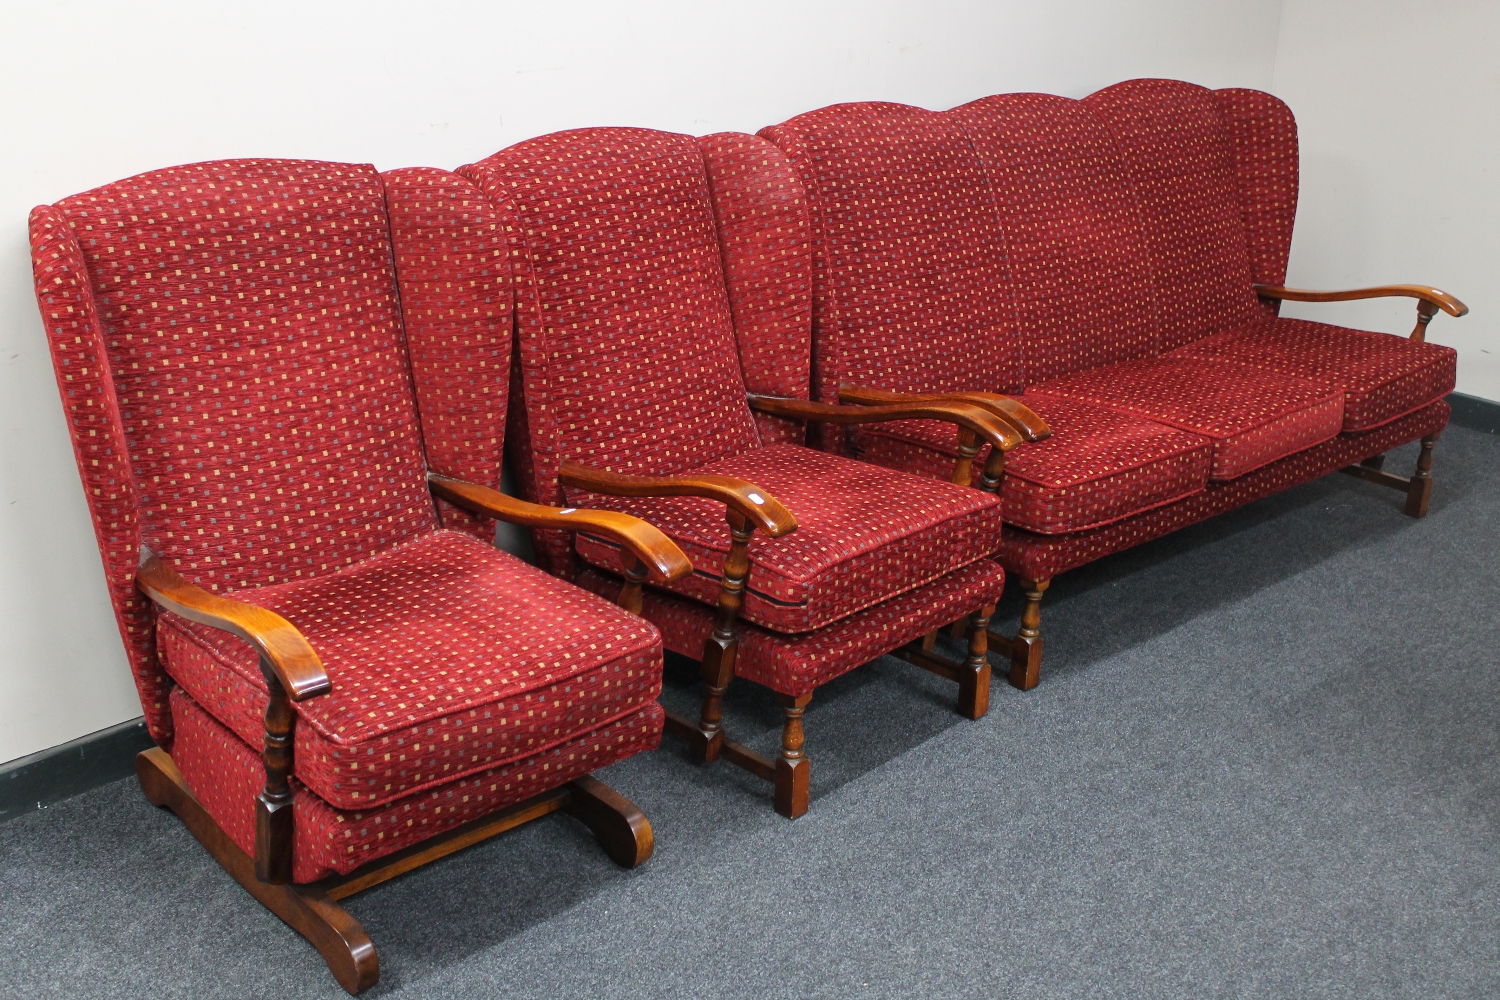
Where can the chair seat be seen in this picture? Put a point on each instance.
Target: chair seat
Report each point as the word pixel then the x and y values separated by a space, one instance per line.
pixel 1382 376
pixel 864 534
pixel 447 657
pixel 1098 466
pixel 226 775
pixel 1253 416
pixel 799 664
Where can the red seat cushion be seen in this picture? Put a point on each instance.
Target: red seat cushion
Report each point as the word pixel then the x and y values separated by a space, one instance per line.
pixel 798 664
pixel 1098 466
pixel 447 657
pixel 1252 415
pixel 225 775
pixel 1382 377
pixel 864 533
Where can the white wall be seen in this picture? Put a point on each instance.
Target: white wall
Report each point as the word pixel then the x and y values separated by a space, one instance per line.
pixel 1398 110
pixel 96 92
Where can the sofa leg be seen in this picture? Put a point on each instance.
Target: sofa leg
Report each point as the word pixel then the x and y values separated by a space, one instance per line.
pixel 1419 492
pixel 1026 647
pixel 974 675
pixel 793 770
pixel 618 824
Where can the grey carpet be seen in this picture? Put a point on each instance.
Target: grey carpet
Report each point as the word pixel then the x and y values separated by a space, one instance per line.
pixel 1262 762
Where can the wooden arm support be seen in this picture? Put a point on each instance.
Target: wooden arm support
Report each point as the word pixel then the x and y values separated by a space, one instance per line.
pixel 1018 415
pixel 1429 300
pixel 976 420
pixel 660 555
pixel 752 503
pixel 292 671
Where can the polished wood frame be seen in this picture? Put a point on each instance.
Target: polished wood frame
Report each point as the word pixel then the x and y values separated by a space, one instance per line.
pixel 749 508
pixel 293 673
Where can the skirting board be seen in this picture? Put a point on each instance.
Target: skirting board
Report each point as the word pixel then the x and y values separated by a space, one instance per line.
pixel 1475 413
pixel 37 781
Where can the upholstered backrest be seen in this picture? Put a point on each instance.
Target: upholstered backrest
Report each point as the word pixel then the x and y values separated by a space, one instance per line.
pixel 1263 134
pixel 1080 275
pixel 1174 137
pixel 761 211
pixel 907 273
pixel 453 265
pixel 228 345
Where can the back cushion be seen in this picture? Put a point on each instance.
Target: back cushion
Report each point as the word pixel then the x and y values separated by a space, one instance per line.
pixel 628 353
pixel 248 313
pixel 454 269
pixel 764 234
pixel 1080 273
pixel 1175 141
pixel 1263 134
pixel 906 267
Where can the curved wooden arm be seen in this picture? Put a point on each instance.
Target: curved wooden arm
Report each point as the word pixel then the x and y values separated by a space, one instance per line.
pixel 978 421
pixel 660 554
pixel 1447 303
pixel 1023 418
pixel 750 501
pixel 277 640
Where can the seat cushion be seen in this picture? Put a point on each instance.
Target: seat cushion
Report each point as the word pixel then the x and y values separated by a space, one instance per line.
pixel 1382 377
pixel 798 664
pixel 1253 416
pixel 447 657
pixel 864 534
pixel 225 775
pixel 1098 466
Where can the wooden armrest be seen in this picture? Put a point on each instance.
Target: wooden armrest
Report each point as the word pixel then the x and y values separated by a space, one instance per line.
pixel 979 421
pixel 1426 293
pixel 663 559
pixel 280 645
pixel 750 501
pixel 1023 418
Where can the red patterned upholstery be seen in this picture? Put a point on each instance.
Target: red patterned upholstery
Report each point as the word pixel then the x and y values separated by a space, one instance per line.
pixel 1039 557
pixel 478 659
pixel 1382 376
pixel 225 775
pixel 228 343
pixel 454 271
pixel 761 212
pixel 1263 134
pixel 1080 276
pixel 904 252
pixel 1253 416
pixel 1098 466
pixel 1174 138
pixel 863 534
pixel 797 664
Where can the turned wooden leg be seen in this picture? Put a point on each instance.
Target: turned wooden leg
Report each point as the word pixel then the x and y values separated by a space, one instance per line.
pixel 1376 462
pixel 307 909
pixel 793 770
pixel 1419 492
pixel 621 828
pixel 1026 647
pixel 974 675
pixel 720 647
pixel 273 807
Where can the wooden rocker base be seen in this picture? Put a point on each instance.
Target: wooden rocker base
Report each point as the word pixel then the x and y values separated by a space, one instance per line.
pixel 791 772
pixel 312 911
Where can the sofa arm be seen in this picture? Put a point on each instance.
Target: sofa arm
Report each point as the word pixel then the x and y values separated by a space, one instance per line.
pixel 663 559
pixel 1025 420
pixel 755 505
pixel 1429 300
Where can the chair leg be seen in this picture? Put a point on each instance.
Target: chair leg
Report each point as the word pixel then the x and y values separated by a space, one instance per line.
pixel 974 675
pixel 307 909
pixel 620 826
pixel 1419 492
pixel 1026 647
pixel 793 769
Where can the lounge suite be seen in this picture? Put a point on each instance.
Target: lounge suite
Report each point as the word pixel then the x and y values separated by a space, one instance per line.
pixel 1114 265
pixel 340 689
pixel 653 385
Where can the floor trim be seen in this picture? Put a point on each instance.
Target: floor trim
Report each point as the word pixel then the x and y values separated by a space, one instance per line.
pixel 1475 413
pixel 49 776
